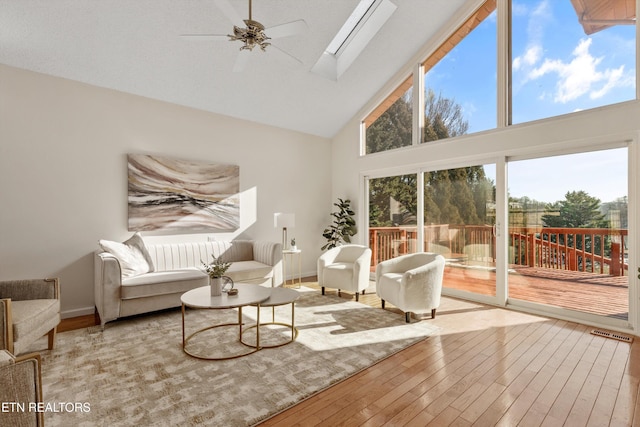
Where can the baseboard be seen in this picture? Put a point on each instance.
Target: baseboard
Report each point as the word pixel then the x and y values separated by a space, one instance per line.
pixel 304 275
pixel 68 314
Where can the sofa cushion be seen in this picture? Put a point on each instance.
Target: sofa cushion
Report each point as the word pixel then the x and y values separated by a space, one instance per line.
pixel 163 282
pixel 339 273
pixel 29 315
pixel 132 255
pixel 173 256
pixel 249 270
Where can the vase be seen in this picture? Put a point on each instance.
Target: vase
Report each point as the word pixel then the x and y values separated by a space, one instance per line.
pixel 216 286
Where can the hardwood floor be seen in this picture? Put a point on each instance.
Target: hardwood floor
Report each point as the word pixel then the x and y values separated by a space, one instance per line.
pixel 487 366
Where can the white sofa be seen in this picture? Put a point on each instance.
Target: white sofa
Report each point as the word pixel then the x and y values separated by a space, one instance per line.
pixel 175 268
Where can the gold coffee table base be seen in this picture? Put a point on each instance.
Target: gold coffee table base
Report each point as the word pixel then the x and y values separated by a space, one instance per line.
pixel 294 330
pixel 248 294
pixel 294 335
pixel 253 348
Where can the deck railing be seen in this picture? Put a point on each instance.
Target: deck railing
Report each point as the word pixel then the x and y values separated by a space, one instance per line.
pixel 596 250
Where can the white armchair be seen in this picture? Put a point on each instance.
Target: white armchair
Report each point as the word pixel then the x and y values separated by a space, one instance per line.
pixel 412 282
pixel 346 268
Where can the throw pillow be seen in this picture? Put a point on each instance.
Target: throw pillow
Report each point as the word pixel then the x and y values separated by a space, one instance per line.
pixel 132 255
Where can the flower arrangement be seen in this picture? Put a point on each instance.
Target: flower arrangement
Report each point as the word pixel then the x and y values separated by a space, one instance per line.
pixel 217 267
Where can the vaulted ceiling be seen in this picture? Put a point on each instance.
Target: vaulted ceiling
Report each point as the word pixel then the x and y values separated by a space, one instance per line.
pixel 134 46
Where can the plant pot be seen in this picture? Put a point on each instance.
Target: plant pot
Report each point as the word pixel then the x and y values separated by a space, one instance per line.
pixel 216 286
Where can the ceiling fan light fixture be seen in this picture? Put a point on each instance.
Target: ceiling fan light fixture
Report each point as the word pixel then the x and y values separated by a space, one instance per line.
pixel 251 36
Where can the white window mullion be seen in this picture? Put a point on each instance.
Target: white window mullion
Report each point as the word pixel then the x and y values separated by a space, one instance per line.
pixel 420 212
pixel 504 63
pixel 418 104
pixel 502 232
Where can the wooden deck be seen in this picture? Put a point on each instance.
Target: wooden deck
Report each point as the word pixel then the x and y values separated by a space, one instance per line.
pixel 599 294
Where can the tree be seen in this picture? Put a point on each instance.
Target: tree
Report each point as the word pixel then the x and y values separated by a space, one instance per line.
pixel 578 210
pixel 382 191
pixel 392 129
pixel 443 118
pixel 456 196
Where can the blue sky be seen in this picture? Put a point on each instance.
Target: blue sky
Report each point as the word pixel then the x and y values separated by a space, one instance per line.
pixel 549 179
pixel 557 69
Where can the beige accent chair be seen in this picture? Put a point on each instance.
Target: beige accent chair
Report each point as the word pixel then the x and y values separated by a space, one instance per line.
pixel 29 309
pixel 345 267
pixel 412 282
pixel 20 385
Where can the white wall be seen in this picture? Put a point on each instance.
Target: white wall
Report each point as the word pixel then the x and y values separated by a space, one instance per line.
pixel 63 177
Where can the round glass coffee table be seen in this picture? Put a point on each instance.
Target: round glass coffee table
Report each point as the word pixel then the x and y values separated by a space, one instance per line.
pixel 200 298
pixel 279 296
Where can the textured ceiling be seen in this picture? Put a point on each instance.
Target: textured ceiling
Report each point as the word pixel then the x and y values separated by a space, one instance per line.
pixel 134 46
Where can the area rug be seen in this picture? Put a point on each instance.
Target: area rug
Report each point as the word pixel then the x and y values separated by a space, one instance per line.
pixel 136 374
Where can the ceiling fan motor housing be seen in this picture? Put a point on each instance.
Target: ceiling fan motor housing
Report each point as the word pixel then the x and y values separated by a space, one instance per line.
pixel 251 36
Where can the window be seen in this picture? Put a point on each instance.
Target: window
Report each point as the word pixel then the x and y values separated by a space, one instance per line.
pixel 460 79
pixel 392 216
pixel 568 227
pixel 566 56
pixel 391 124
pixel 569 58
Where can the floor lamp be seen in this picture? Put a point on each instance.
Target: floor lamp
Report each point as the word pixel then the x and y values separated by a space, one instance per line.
pixel 284 220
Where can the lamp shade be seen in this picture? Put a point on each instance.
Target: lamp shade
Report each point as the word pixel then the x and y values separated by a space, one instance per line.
pixel 284 220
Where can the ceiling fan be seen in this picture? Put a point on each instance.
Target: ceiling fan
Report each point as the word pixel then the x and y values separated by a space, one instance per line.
pixel 251 34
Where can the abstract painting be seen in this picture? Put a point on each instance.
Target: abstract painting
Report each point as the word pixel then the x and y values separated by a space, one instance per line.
pixel 169 194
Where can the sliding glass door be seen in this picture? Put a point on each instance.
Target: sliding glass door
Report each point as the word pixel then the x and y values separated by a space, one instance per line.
pixel 459 220
pixel 568 232
pixel 458 212
pixel 565 246
pixel 392 217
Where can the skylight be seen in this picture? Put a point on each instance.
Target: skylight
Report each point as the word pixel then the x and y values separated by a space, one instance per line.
pixel 361 26
pixel 350 26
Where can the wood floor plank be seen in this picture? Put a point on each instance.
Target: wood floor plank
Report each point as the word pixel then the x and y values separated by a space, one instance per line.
pixel 625 401
pixel 481 404
pixel 504 401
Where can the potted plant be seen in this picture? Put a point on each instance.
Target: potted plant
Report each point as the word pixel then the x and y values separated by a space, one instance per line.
pixel 215 270
pixel 343 226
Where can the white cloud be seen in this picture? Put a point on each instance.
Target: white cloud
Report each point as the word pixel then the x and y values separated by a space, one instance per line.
pixel 580 75
pixel 539 16
pixel 614 78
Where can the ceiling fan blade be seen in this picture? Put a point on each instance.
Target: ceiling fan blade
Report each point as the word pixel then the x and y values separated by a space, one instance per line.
pixel 241 60
pixel 288 29
pixel 205 37
pixel 284 54
pixel 228 10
